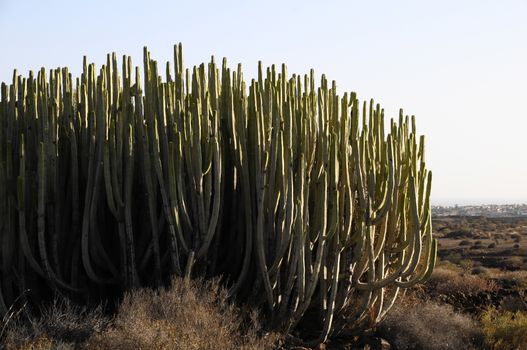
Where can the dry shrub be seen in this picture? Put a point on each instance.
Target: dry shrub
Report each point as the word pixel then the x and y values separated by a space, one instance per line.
pixel 505 330
pixel 448 265
pixel 519 276
pixel 448 281
pixel 453 257
pixel 513 303
pixel 480 270
pixel 501 236
pixel 466 264
pixel 462 233
pixel 39 343
pixel 188 315
pixel 60 326
pixel 429 325
pixel 483 235
pixel 514 263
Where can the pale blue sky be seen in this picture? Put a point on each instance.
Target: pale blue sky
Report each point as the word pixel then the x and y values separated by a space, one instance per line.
pixel 459 66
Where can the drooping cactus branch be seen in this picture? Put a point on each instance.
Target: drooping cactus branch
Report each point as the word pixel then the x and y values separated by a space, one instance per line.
pixel 303 199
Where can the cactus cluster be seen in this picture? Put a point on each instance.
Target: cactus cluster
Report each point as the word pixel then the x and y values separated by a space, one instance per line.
pixel 303 200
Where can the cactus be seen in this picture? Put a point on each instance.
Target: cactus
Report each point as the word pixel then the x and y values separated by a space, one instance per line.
pixel 303 199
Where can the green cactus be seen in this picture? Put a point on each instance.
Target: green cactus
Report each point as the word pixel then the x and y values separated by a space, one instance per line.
pixel 303 199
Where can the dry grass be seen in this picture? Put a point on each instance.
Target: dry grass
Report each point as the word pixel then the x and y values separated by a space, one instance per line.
pixel 448 280
pixel 40 343
pixel 447 264
pixel 453 257
pixel 513 304
pixel 428 325
pixel 519 277
pixel 480 270
pixel 465 242
pixel 189 315
pixel 505 330
pixel 61 325
pixel 515 263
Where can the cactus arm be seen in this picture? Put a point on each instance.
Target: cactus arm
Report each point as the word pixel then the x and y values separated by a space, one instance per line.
pixel 151 202
pixel 330 313
pixel 128 187
pixel 24 242
pixel 166 206
pixel 212 226
pixel 174 196
pixel 41 211
pixel 93 170
pixel 107 180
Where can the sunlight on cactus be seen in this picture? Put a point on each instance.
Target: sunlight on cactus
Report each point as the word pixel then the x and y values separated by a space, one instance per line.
pixel 303 199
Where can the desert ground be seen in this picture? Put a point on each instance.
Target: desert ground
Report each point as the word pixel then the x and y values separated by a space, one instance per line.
pixel 493 243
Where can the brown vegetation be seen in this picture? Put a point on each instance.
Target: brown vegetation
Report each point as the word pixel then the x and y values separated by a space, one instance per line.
pixel 417 324
pixel 448 281
pixel 189 315
pixel 505 330
pixel 59 326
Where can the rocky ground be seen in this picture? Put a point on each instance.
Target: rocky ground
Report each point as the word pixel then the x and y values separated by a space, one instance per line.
pixel 494 249
pixel 489 242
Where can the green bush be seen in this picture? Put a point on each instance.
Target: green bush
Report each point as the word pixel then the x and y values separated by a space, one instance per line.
pixel 505 330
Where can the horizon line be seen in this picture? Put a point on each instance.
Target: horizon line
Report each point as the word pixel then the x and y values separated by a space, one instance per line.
pixel 477 201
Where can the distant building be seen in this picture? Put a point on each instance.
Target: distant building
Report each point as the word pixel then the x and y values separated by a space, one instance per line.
pixel 489 210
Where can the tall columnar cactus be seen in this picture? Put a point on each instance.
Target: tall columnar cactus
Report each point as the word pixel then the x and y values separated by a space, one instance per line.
pixel 304 200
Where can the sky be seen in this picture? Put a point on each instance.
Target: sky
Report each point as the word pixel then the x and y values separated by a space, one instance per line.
pixel 459 66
